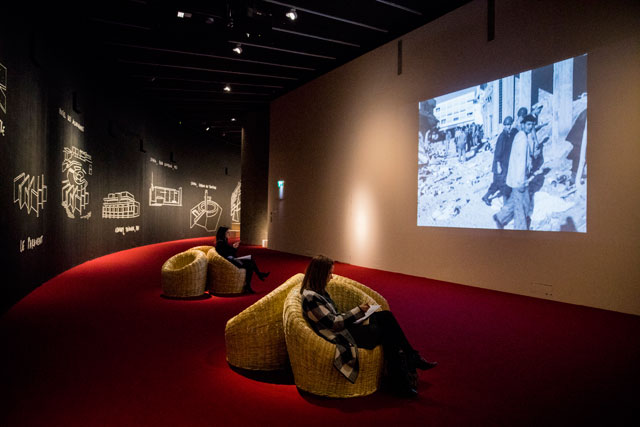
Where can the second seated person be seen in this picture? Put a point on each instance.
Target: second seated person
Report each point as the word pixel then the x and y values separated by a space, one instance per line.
pixel 230 251
pixel 340 328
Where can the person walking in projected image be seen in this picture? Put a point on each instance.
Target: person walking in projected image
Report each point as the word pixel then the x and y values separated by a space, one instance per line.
pixel 518 206
pixel 461 144
pixel 501 164
pixel 381 328
pixel 229 251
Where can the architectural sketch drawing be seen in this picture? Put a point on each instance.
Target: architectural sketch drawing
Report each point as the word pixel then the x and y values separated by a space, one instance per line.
pixel 163 196
pixel 235 204
pixel 120 205
pixel 75 197
pixel 206 214
pixel 3 88
pixel 30 192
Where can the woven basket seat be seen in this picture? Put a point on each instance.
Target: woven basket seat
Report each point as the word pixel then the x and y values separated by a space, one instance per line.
pixel 204 249
pixel 184 274
pixel 312 356
pixel 255 337
pixel 224 277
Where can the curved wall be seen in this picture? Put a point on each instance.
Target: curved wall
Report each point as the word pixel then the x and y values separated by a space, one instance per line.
pixel 86 172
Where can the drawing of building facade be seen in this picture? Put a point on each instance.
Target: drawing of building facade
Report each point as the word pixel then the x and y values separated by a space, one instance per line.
pixel 235 204
pixel 120 205
pixel 75 195
pixel 164 196
pixel 30 192
pixel 206 214
pixel 3 88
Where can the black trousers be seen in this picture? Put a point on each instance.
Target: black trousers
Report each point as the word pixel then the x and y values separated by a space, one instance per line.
pixel 247 264
pixel 383 328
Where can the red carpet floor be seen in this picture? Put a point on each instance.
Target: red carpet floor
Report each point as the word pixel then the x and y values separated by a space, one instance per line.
pixel 99 346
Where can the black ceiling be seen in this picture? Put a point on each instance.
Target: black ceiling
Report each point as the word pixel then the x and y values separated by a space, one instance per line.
pixel 182 64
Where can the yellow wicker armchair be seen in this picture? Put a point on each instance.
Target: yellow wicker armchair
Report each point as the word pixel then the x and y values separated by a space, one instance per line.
pixel 312 356
pixel 224 277
pixel 204 249
pixel 184 274
pixel 379 299
pixel 255 337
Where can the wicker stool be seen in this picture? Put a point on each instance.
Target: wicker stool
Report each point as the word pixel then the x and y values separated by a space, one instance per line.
pixel 224 277
pixel 185 274
pixel 312 356
pixel 255 337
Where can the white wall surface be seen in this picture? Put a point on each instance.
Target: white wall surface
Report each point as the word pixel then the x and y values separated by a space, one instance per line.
pixel 346 147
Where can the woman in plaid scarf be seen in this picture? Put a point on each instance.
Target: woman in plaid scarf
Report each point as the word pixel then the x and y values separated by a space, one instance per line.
pixel 340 329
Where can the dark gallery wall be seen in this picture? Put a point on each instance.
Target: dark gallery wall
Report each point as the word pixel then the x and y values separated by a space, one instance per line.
pixel 74 145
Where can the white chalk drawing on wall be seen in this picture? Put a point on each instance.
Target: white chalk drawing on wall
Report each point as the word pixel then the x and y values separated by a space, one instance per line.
pixel 235 204
pixel 75 197
pixel 120 205
pixel 3 88
pixel 30 192
pixel 206 214
pixel 164 196
pixel 3 95
pixel 31 243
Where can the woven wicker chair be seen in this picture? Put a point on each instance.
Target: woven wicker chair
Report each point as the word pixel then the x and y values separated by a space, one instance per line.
pixel 379 299
pixel 255 337
pixel 184 274
pixel 204 249
pixel 312 356
pixel 224 277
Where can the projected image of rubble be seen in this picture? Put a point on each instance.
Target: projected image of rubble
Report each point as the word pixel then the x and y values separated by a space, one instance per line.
pixel 120 205
pixel 76 166
pixel 507 154
pixel 206 214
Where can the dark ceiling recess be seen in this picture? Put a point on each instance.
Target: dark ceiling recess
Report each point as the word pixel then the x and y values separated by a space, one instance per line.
pixel 179 55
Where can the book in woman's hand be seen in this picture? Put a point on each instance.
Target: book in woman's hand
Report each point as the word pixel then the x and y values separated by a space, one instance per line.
pixel 372 309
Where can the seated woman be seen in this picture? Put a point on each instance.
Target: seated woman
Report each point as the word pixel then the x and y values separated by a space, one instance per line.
pixel 229 251
pixel 339 328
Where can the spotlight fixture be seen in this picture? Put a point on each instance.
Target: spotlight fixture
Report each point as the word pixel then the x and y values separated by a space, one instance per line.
pixel 184 14
pixel 238 49
pixel 233 119
pixel 292 14
pixel 208 20
pixel 227 88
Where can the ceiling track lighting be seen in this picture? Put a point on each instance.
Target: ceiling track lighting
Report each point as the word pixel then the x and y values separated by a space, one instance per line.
pixel 227 88
pixel 238 49
pixel 292 14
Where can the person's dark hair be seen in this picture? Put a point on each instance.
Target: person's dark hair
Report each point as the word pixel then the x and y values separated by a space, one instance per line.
pixel 529 118
pixel 315 278
pixel 221 235
pixel 522 111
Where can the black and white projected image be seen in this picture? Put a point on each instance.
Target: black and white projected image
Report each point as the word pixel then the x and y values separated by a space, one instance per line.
pixel 507 154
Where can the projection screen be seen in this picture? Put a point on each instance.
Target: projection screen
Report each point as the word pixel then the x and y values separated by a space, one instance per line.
pixel 507 154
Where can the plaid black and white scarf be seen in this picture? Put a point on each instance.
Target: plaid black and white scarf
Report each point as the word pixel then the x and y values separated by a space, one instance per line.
pixel 321 313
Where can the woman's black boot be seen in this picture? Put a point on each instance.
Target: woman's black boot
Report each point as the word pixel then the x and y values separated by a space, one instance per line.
pixel 419 362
